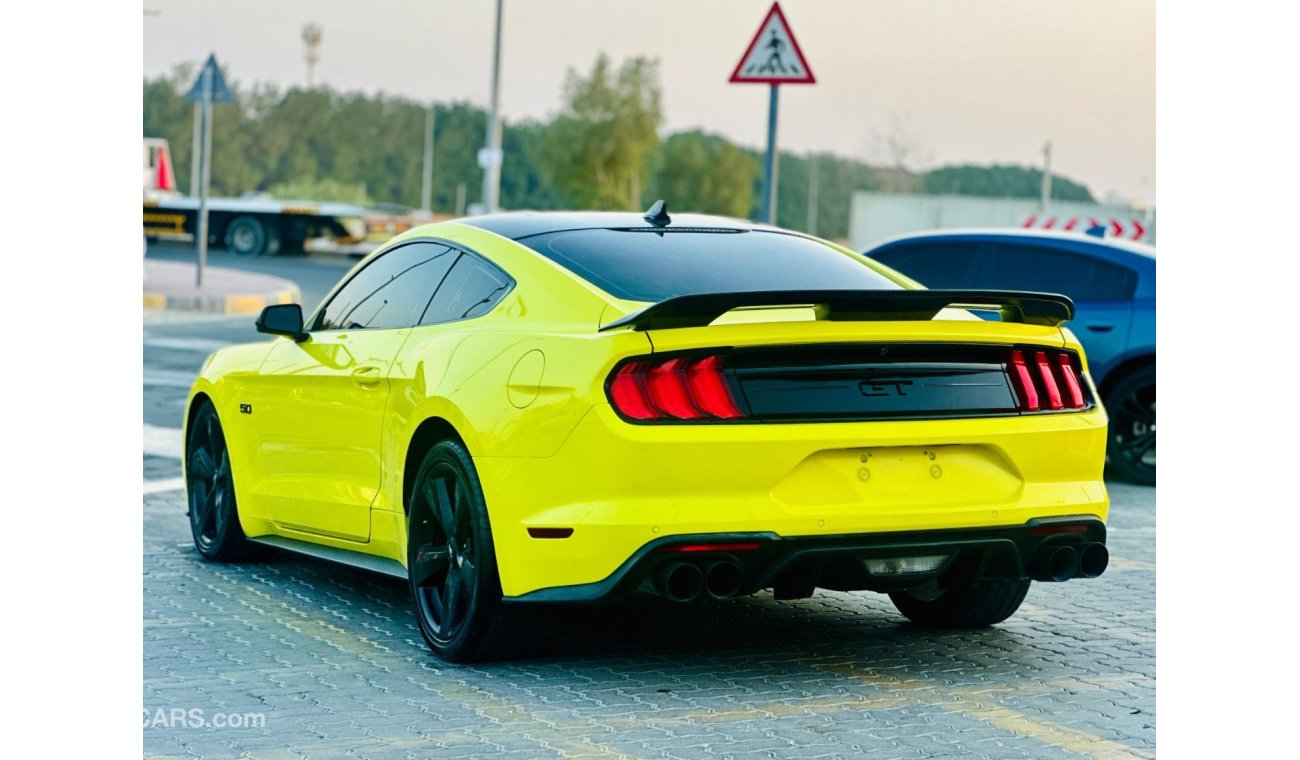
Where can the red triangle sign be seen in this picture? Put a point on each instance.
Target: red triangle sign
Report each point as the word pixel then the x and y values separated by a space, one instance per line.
pixel 773 57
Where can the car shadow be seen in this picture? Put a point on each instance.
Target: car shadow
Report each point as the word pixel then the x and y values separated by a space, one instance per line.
pixel 860 626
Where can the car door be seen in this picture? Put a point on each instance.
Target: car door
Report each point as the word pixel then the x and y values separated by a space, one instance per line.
pixel 1102 292
pixel 321 402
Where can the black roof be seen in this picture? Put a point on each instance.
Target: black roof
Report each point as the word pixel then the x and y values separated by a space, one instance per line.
pixel 522 224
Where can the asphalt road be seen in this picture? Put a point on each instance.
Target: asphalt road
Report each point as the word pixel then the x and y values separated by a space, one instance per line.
pixel 299 658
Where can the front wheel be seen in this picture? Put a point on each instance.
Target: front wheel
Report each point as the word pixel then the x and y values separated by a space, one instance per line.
pixel 1131 405
pixel 988 603
pixel 451 563
pixel 210 488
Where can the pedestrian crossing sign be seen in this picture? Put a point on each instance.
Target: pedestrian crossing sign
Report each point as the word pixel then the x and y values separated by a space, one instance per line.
pixel 774 57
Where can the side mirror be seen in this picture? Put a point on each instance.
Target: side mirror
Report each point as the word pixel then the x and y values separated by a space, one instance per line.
pixel 282 319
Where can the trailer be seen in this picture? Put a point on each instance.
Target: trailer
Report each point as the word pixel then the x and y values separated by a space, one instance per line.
pixel 254 225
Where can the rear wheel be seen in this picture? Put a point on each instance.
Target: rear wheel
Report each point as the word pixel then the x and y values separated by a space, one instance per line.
pixel 455 588
pixel 988 603
pixel 210 487
pixel 250 236
pixel 1131 405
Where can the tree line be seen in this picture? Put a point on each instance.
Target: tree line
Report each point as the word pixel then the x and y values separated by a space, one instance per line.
pixel 603 150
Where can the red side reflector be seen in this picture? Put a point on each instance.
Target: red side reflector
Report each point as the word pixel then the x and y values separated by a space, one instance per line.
pixel 550 532
pixel 1049 380
pixel 709 388
pixel 629 394
pixel 1024 382
pixel 1072 386
pixel 1047 530
pixel 667 386
pixel 684 548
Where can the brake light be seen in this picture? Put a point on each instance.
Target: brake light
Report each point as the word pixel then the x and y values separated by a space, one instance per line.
pixel 680 388
pixel 1050 384
pixel 709 388
pixel 667 385
pixel 1024 382
pixel 1049 381
pixel 1071 381
pixel 628 393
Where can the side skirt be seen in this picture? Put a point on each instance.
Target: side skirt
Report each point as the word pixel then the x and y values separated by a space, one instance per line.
pixel 381 565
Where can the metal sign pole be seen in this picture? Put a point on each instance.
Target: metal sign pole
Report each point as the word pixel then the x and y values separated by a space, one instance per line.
pixel 196 150
pixel 204 175
pixel 492 169
pixel 770 166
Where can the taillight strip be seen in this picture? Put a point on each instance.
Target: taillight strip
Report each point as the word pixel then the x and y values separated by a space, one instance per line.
pixel 709 389
pixel 1024 382
pixel 667 385
pixel 628 393
pixel 1049 380
pixel 1071 380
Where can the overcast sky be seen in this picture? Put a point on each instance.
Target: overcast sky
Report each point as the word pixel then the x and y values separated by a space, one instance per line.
pixel 981 81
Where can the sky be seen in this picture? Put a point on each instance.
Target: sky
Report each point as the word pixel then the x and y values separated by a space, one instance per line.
pixel 960 81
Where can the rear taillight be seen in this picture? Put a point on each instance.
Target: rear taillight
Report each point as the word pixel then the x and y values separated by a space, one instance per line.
pixel 679 388
pixel 1046 381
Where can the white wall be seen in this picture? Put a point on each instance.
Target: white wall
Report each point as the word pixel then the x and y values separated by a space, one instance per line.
pixel 876 216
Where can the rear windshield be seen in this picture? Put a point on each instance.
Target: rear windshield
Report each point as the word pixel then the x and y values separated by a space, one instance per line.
pixel 641 265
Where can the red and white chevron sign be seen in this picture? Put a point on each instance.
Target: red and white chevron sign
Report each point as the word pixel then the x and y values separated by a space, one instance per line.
pixel 1128 229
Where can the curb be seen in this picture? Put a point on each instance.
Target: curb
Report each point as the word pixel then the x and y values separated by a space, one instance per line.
pixel 239 303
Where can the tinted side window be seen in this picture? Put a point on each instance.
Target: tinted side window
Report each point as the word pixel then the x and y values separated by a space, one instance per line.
pixel 471 289
pixel 935 265
pixel 392 291
pixel 1027 267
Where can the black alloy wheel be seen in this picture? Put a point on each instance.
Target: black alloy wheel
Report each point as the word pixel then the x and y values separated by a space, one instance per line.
pixel 210 487
pixel 1131 453
pixel 451 561
pixel 444 566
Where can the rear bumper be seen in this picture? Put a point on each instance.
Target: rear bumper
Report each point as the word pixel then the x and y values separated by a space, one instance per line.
pixel 794 566
pixel 622 488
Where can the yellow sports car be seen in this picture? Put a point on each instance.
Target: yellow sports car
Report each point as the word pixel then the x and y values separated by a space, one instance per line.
pixel 533 408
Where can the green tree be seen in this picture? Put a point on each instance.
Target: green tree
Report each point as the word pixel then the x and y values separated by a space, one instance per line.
pixel 598 147
pixel 1001 182
pixel 695 171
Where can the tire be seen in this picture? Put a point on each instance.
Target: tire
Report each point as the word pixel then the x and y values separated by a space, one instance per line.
pixel 988 603
pixel 250 236
pixel 210 491
pixel 1131 404
pixel 453 579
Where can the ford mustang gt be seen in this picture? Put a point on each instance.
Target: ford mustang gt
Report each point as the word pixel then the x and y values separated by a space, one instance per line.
pixel 533 408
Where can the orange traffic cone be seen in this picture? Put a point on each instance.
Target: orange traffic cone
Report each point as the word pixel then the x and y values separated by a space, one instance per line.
pixel 165 181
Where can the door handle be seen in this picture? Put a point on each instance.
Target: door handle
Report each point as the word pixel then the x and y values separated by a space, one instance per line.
pixel 367 376
pixel 1100 326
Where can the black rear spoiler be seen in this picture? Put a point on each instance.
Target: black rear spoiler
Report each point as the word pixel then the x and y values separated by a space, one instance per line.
pixel 701 309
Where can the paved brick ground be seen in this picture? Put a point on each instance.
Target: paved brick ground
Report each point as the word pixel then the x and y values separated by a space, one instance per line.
pixel 332 659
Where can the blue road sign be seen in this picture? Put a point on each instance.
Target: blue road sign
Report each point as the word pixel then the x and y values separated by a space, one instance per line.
pixel 211 74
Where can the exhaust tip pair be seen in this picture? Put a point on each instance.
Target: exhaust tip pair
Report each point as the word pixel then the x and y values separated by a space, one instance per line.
pixel 1056 563
pixel 687 581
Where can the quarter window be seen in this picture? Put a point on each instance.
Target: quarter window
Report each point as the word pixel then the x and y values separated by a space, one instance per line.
pixel 471 289
pixel 392 291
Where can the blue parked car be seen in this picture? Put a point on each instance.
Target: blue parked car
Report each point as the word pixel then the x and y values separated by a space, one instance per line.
pixel 1113 285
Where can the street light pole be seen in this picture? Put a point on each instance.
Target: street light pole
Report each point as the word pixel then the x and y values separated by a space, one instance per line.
pixel 492 168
